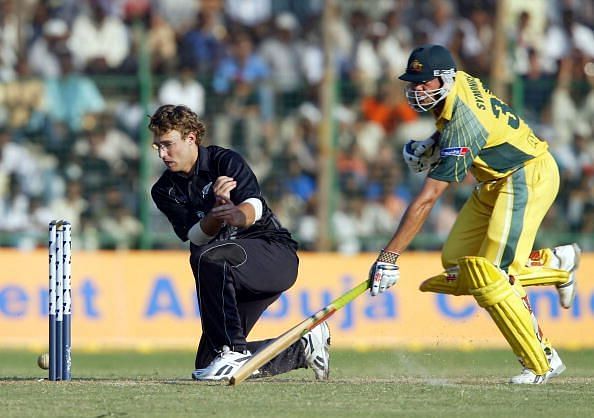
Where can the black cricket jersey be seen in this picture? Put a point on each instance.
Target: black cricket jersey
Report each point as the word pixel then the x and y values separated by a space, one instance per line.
pixel 185 200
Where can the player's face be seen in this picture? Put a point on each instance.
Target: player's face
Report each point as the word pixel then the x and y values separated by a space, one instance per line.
pixel 178 153
pixel 425 89
pixel 424 95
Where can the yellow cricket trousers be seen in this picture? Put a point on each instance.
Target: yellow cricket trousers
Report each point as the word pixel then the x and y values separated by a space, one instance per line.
pixel 501 218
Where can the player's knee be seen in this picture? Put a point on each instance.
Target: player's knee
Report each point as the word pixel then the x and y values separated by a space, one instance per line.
pixel 449 256
pixel 488 284
pixel 231 254
pixel 450 282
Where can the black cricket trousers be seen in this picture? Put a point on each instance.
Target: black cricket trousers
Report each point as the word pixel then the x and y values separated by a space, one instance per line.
pixel 236 280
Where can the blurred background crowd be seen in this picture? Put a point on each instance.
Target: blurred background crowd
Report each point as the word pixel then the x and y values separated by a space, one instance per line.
pixel 78 78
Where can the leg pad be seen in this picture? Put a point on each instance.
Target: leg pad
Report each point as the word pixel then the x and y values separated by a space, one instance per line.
pixel 450 282
pixel 506 305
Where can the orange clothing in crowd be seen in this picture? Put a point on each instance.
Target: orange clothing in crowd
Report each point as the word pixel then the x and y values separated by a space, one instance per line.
pixel 389 116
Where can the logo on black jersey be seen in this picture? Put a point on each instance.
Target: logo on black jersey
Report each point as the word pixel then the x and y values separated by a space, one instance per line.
pixel 206 189
pixel 179 198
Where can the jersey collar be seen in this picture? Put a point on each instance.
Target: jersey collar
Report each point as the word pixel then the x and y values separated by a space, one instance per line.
pixel 202 160
pixel 448 107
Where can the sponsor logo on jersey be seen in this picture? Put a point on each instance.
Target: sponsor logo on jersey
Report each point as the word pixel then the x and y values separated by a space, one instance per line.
pixel 454 152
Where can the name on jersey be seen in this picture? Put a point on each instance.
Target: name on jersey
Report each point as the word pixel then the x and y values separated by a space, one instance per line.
pixel 454 152
pixel 476 92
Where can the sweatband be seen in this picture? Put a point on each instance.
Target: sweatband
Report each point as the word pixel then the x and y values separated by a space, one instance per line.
pixel 197 235
pixel 257 205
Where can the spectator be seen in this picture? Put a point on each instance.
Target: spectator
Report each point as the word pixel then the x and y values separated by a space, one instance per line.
pixel 248 12
pixel 202 46
pixel 120 229
pixel 34 232
pixel 183 88
pixel 440 25
pixel 96 171
pixel 161 42
pixel 241 83
pixel 71 205
pixel 242 71
pixel 387 108
pixel 8 40
pixel 282 55
pixel 298 182
pixel 42 57
pixel 537 88
pixel 17 163
pixel 312 60
pixel 14 206
pixel 110 144
pixel 72 96
pixel 178 13
pixel 346 222
pixel 369 62
pixel 99 41
pixel 561 39
pixel 21 100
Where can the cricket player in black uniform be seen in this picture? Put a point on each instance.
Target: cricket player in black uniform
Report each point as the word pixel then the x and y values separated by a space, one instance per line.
pixel 241 256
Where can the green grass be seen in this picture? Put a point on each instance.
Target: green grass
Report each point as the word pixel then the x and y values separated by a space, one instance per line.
pixel 362 384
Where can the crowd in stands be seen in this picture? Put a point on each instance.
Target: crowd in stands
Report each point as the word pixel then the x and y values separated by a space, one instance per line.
pixel 72 120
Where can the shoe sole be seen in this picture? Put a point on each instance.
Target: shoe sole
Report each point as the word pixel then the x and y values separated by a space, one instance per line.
pixel 327 352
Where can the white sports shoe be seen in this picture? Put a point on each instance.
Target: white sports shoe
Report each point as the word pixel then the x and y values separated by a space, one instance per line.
pixel 316 344
pixel 528 377
pixel 569 260
pixel 223 366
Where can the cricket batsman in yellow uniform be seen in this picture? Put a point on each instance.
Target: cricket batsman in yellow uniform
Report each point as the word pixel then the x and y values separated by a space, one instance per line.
pixel 488 253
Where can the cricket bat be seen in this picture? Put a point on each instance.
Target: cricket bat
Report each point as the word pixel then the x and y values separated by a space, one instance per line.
pixel 276 346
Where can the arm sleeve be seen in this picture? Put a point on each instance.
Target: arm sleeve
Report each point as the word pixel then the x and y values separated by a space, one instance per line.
pixel 178 214
pixel 461 141
pixel 233 165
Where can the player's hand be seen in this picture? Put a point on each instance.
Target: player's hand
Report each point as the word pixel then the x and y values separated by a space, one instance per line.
pixel 420 155
pixel 382 276
pixel 228 213
pixel 222 189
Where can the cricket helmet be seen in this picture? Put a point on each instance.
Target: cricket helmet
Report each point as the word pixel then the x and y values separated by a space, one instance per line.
pixel 424 64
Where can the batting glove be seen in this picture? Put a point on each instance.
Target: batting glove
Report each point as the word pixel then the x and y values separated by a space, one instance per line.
pixel 420 155
pixel 384 273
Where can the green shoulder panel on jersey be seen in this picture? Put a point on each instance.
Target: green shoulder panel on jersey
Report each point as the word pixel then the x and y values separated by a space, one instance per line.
pixel 461 141
pixel 504 157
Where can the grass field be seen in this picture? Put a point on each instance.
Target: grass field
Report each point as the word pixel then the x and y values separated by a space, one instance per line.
pixel 362 384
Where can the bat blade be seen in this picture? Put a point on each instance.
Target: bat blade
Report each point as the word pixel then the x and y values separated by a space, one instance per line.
pixel 275 347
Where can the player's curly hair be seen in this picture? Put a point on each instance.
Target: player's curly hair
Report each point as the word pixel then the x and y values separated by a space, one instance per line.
pixel 181 118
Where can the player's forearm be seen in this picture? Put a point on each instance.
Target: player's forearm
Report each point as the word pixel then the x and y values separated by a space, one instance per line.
pixel 210 225
pixel 249 214
pixel 412 222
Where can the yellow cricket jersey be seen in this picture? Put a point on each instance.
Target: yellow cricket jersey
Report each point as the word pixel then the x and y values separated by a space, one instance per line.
pixel 482 134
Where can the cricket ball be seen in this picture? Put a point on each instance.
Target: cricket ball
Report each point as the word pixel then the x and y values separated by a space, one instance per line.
pixel 43 361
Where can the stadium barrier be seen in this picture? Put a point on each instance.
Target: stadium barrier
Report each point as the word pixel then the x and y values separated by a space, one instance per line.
pixel 146 300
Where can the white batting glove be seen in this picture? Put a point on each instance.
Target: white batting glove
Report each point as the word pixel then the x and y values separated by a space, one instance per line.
pixel 384 273
pixel 383 276
pixel 420 155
